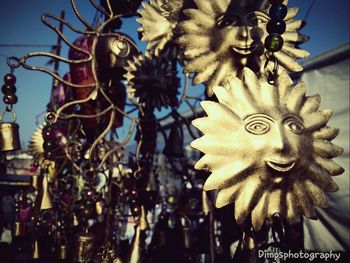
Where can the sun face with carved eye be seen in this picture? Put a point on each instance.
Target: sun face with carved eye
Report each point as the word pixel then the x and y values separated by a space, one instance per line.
pixel 272 152
pixel 158 20
pixel 218 39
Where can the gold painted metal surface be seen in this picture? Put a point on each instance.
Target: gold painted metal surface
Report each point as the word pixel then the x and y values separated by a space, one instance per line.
pixel 158 20
pixel 268 149
pixel 36 141
pixel 84 250
pixel 9 134
pixel 219 38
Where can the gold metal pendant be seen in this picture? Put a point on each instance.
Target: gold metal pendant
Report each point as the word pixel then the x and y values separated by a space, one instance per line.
pixel 84 250
pixel 272 152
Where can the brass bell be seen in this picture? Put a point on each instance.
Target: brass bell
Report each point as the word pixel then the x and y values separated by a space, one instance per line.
pixel 46 201
pixel 84 250
pixel 36 253
pixel 63 252
pixel 99 207
pixel 17 229
pixel 35 181
pixel 174 144
pixel 9 134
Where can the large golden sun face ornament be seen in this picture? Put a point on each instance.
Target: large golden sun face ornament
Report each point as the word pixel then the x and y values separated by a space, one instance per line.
pixel 268 149
pixel 220 38
pixel 158 20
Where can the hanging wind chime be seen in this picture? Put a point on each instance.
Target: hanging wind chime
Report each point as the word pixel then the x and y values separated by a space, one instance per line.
pixel 9 131
pixel 272 155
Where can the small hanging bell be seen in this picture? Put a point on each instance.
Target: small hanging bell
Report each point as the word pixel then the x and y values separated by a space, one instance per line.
pixel 174 143
pixel 151 184
pixel 9 134
pixel 35 181
pixel 206 203
pixel 35 251
pixel 247 251
pixel 63 252
pixel 17 229
pixel 46 201
pixel 99 207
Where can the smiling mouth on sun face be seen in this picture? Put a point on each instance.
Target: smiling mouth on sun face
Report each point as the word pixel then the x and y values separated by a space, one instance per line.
pixel 244 50
pixel 281 166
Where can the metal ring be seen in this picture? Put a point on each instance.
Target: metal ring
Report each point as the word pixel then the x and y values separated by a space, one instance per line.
pixel 13 62
pixel 50 118
pixel 13 115
pixel 271 75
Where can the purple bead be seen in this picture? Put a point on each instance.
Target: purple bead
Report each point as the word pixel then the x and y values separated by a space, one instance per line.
pixel 278 11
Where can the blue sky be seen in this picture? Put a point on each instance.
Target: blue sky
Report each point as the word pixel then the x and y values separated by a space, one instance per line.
pixel 327 25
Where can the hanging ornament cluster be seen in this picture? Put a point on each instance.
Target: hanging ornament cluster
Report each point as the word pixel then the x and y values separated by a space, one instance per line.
pixel 266 145
pixel 9 131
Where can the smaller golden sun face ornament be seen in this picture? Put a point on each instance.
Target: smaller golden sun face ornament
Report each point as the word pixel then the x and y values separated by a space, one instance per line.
pixel 221 37
pixel 268 149
pixel 158 20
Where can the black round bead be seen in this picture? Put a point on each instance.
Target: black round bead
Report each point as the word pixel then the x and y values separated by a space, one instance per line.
pixel 8 89
pixel 276 26
pixel 48 155
pixel 48 145
pixel 10 79
pixel 278 11
pixel 276 1
pixel 10 99
pixel 273 42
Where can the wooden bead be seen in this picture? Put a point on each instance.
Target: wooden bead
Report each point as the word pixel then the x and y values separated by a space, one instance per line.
pixel 10 79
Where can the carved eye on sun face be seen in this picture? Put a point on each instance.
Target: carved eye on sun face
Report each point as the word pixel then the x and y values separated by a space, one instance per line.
pixel 294 124
pixel 257 18
pixel 258 124
pixel 226 20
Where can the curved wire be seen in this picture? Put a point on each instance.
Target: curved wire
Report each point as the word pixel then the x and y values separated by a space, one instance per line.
pixel 77 13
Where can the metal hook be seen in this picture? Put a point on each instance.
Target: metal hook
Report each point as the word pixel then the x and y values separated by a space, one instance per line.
pixel 271 75
pixel 13 63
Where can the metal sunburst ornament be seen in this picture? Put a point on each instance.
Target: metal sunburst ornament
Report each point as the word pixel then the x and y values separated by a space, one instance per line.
pixel 152 80
pixel 272 152
pixel 36 141
pixel 219 38
pixel 158 20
